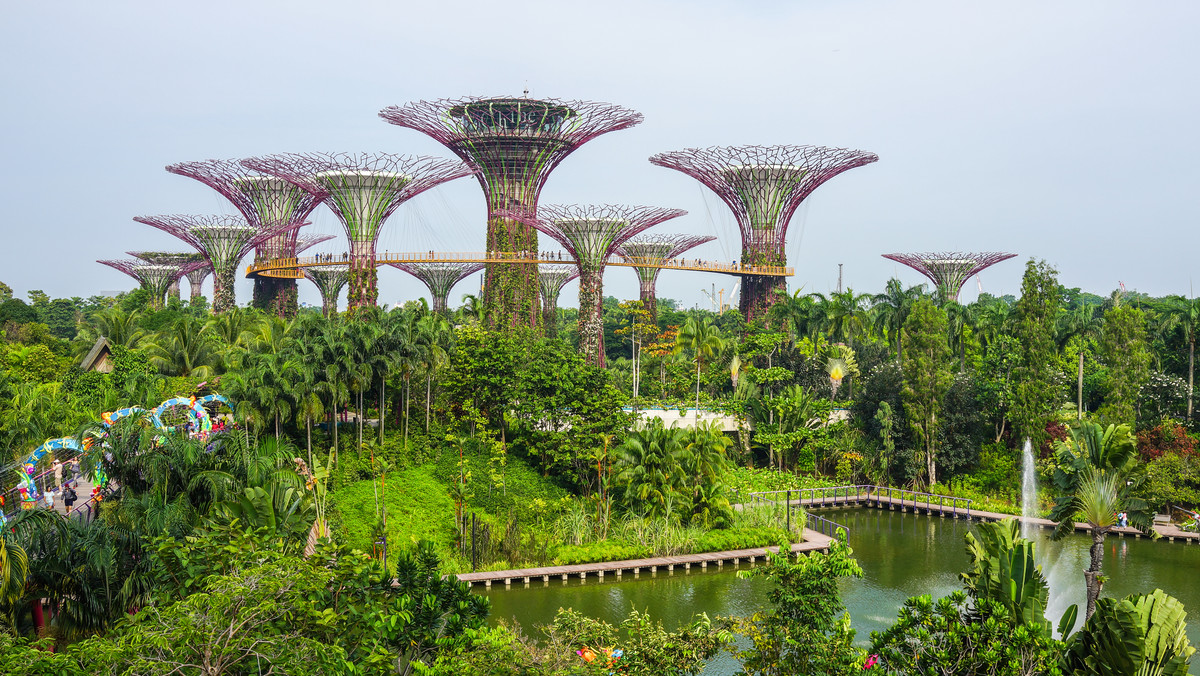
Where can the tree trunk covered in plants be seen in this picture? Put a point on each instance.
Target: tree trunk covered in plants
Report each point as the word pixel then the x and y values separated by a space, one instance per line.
pixel 591 326
pixel 550 315
pixel 758 292
pixel 646 279
pixel 1092 575
pixel 364 280
pixel 1191 373
pixel 223 281
pixel 277 296
pixel 510 290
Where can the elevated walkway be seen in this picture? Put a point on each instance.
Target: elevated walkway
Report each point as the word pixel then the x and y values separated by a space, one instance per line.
pixel 292 268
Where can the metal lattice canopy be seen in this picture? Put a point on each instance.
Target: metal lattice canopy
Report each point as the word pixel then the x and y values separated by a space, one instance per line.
pixel 514 142
pixel 657 248
pixel 592 233
pixel 329 280
pixel 763 185
pixel 440 278
pixel 552 279
pixel 223 240
pixel 949 270
pixel 362 189
pixel 264 200
pixel 182 259
pixel 155 278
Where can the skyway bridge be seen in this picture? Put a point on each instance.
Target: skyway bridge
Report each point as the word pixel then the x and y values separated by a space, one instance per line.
pixel 293 268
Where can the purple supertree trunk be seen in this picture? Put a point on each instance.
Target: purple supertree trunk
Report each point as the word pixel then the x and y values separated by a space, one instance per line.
pixel 515 143
pixel 591 234
pixel 763 186
pixel 653 250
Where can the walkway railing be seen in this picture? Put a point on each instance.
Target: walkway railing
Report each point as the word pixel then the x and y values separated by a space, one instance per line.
pixel 833 529
pixel 789 502
pixel 291 267
pixel 903 497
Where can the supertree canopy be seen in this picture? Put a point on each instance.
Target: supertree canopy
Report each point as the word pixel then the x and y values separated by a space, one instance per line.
pixel 653 250
pixel 189 263
pixel 265 201
pixel 949 270
pixel 514 143
pixel 329 280
pixel 552 279
pixel 223 240
pixel 591 234
pixel 362 190
pixel 763 185
pixel 153 278
pixel 440 278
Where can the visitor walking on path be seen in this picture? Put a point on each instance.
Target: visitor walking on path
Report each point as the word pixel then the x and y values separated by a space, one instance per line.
pixel 58 474
pixel 69 497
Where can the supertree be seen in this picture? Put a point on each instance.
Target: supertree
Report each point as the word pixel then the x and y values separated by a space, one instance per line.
pixel 653 250
pixel 265 201
pixel 329 280
pixel 362 190
pixel 188 263
pixel 440 278
pixel 281 295
pixel 763 185
pixel 223 240
pixel 591 234
pixel 514 143
pixel 153 278
pixel 196 280
pixel 552 279
pixel 949 270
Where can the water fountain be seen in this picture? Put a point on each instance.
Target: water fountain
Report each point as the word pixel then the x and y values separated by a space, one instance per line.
pixel 1029 494
pixel 1055 566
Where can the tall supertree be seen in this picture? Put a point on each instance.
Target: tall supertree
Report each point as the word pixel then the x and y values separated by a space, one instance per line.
pixel 591 234
pixel 514 143
pixel 223 240
pixel 653 250
pixel 763 185
pixel 552 279
pixel 281 295
pixel 153 278
pixel 188 263
pixel 440 277
pixel 329 280
pixel 362 190
pixel 265 201
pixel 949 270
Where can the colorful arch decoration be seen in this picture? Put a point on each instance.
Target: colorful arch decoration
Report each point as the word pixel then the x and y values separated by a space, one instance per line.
pixel 195 411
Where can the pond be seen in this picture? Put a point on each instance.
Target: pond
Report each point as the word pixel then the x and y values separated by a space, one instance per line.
pixel 901 554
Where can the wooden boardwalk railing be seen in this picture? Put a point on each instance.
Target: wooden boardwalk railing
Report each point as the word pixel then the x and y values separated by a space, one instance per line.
pixel 876 496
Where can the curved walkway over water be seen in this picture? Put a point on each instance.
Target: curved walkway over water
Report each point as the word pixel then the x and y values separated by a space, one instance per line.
pixel 292 268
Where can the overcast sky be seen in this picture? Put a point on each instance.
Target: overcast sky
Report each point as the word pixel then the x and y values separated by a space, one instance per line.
pixel 1064 131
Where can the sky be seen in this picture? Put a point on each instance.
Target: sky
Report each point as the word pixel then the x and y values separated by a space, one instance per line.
pixel 1061 131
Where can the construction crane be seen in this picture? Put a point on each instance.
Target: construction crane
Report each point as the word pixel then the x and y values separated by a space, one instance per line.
pixel 717 297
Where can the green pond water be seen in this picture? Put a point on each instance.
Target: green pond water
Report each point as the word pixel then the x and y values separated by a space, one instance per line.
pixel 902 555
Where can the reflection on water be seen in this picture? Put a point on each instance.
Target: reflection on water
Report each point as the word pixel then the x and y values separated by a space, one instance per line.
pixel 902 555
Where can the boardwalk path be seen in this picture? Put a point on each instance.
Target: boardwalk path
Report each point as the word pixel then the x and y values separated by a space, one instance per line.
pixel 813 542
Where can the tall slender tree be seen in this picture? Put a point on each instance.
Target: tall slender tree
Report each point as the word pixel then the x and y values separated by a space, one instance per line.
pixel 1183 315
pixel 1035 396
pixel 927 377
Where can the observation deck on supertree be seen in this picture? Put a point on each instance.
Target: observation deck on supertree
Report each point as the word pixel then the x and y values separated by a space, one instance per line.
pixel 654 249
pixel 362 190
pixel 153 278
pixel 223 240
pixel 592 233
pixel 264 201
pixel 329 280
pixel 439 278
pixel 515 143
pixel 763 186
pixel 949 270
pixel 552 279
pixel 188 263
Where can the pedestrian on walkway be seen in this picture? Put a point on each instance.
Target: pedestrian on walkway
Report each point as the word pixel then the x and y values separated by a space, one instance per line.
pixel 58 474
pixel 69 498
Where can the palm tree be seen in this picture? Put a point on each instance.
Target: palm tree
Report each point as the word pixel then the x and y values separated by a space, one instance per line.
pixel 235 328
pixel 890 310
pixel 1183 314
pixel 184 350
pixel 119 327
pixel 961 321
pixel 1084 323
pixel 437 337
pixel 992 319
pixel 843 314
pixel 14 568
pixel 704 340
pixel 1096 472
pixel 799 313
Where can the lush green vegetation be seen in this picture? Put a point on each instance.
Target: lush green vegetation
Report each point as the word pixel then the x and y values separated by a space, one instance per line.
pixel 436 443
